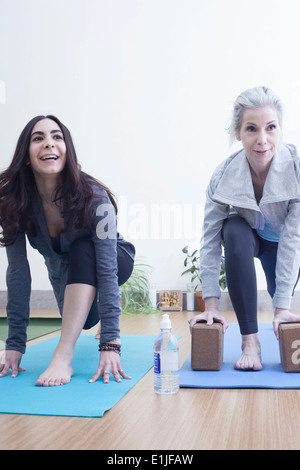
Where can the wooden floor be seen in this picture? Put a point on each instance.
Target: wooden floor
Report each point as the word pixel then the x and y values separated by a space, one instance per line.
pixel 248 419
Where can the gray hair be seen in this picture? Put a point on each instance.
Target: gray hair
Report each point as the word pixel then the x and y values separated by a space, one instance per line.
pixel 257 97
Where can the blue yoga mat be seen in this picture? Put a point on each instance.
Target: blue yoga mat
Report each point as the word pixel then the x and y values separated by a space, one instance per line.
pixel 19 395
pixel 271 376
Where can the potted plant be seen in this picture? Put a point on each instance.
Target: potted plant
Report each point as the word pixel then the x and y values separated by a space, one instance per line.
pixel 134 293
pixel 192 262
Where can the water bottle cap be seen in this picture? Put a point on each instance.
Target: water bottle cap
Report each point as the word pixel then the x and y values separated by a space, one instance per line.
pixel 165 322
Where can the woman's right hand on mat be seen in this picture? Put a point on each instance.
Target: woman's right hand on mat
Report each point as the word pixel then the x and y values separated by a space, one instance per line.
pixel 10 359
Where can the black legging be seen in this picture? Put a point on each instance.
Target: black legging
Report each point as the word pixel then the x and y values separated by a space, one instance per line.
pixel 82 270
pixel 242 245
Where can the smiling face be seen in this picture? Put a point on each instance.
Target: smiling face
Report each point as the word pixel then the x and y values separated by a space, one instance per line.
pixel 47 148
pixel 260 134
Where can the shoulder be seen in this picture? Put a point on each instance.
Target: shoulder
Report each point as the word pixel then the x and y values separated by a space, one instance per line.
pixel 293 152
pixel 289 153
pixel 101 205
pixel 99 192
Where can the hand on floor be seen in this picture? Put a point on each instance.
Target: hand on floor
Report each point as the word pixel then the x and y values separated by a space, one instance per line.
pixel 10 359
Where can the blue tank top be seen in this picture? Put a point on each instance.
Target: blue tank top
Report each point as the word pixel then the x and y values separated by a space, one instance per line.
pixel 268 233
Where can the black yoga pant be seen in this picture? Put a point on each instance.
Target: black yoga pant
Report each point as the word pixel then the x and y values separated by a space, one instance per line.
pixel 241 246
pixel 82 270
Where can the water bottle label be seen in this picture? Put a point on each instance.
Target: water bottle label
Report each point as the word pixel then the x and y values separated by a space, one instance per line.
pixel 165 361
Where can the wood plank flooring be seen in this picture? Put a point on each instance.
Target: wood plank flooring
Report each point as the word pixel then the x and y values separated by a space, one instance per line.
pixel 229 419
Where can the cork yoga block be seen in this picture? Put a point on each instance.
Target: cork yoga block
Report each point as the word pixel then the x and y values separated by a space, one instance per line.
pixel 207 346
pixel 289 346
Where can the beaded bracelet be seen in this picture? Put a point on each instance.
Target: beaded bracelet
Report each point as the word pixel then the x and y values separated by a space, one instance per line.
pixel 110 347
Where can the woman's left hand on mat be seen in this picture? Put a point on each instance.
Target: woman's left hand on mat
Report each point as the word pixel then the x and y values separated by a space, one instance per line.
pixel 109 364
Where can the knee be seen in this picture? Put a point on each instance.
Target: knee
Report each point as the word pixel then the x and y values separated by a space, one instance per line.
pixel 82 248
pixel 82 262
pixel 238 236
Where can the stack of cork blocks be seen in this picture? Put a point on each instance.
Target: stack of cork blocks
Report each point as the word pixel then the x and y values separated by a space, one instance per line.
pixel 207 346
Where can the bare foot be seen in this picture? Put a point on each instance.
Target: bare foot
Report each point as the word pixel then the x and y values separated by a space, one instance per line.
pixel 59 372
pixel 251 355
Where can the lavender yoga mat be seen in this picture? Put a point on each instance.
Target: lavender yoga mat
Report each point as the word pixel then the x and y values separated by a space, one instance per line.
pixel 19 395
pixel 271 376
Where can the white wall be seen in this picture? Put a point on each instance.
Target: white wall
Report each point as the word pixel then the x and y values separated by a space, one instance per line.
pixel 146 88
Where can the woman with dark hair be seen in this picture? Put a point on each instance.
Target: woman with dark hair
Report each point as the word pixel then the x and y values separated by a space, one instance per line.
pixel 70 218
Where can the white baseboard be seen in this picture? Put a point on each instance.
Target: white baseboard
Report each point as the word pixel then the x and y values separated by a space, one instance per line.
pixel 40 299
pixel 44 299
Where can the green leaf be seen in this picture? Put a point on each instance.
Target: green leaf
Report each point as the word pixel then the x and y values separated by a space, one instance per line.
pixel 186 272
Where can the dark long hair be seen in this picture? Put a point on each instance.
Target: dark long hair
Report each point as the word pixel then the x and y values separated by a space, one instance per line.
pixel 17 188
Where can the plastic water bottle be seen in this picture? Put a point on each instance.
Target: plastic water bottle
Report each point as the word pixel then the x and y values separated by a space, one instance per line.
pixel 166 359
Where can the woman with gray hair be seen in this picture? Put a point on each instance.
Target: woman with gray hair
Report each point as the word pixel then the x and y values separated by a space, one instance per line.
pixel 253 211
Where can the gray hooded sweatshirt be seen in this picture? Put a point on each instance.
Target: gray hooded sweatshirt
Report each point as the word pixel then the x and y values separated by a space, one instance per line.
pixel 230 191
pixel 106 242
